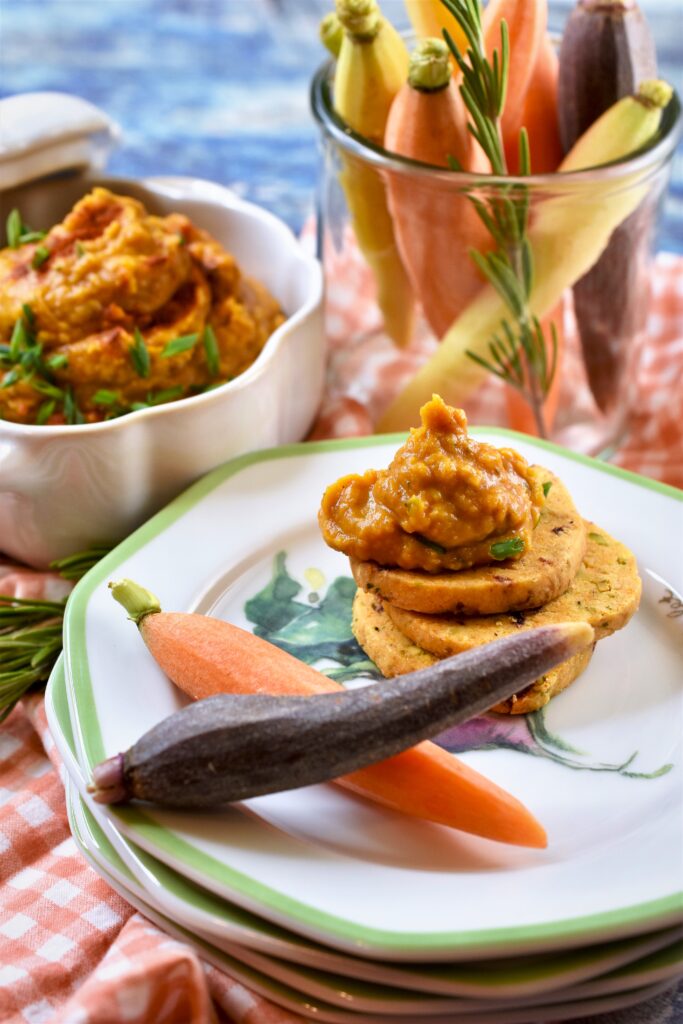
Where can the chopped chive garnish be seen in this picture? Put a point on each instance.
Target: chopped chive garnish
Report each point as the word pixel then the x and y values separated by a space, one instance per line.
pixel 45 411
pixel 58 362
pixel 430 544
pixel 10 378
pixel 181 239
pixel 19 233
pixel 136 406
pixel 546 488
pixel 13 229
pixel 104 397
pixel 19 339
pixel 80 250
pixel 503 549
pixel 29 315
pixel 159 397
pixel 139 353
pixel 44 387
pixel 72 413
pixel 41 254
pixel 31 236
pixel 31 358
pixel 178 345
pixel 212 387
pixel 211 351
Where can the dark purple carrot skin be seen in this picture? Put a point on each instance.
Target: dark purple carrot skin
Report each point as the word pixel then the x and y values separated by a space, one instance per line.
pixel 607 51
pixel 235 746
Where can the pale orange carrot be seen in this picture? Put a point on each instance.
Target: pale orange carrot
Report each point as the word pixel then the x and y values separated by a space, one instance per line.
pixel 204 656
pixel 526 22
pixel 540 117
pixel 435 226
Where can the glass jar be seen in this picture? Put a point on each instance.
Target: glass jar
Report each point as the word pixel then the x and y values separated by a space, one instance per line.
pixel 410 315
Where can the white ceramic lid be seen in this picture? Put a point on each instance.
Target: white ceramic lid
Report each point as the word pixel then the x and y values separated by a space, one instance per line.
pixel 45 132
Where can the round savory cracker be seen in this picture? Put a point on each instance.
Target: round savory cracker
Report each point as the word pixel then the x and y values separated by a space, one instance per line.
pixel 548 686
pixel 605 593
pixel 394 655
pixel 542 573
pixel 392 652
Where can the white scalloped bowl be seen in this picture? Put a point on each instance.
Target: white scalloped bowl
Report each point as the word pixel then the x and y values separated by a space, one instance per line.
pixel 66 488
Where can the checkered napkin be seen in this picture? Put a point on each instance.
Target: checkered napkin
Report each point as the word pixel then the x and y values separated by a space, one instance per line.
pixel 71 950
pixel 366 371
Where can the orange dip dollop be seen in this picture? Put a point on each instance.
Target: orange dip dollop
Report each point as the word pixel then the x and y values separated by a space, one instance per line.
pixel 446 502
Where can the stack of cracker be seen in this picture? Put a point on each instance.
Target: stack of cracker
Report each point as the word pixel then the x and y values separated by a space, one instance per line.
pixel 405 620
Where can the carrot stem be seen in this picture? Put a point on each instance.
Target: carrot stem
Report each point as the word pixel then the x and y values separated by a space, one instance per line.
pixel 137 600
pixel 430 66
pixel 361 18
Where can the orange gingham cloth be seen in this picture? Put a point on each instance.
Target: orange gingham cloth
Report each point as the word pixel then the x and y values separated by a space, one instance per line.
pixel 366 371
pixel 71 950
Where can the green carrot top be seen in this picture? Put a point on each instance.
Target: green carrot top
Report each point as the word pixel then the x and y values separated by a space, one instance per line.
pixel 430 66
pixel 654 92
pixel 362 19
pixel 137 600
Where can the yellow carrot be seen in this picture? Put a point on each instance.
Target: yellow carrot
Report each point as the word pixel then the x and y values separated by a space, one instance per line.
pixel 331 33
pixel 430 17
pixel 371 68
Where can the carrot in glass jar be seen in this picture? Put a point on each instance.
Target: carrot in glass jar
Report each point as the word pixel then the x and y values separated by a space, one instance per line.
pixel 435 224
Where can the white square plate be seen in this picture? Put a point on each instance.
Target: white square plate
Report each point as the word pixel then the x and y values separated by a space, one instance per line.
pixel 343 871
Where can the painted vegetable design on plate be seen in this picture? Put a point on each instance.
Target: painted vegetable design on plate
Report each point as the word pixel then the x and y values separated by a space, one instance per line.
pixel 316 628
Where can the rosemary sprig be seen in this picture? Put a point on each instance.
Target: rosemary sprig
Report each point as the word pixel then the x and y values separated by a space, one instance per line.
pixel 31 633
pixel 75 566
pixel 518 352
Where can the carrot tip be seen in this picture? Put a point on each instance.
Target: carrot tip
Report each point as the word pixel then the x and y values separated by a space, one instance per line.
pixel 108 785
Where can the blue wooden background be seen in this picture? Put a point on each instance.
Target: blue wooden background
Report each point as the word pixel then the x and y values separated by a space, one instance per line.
pixel 219 88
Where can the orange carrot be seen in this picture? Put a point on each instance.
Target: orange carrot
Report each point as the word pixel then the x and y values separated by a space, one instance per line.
pixel 204 656
pixel 435 226
pixel 526 21
pixel 540 117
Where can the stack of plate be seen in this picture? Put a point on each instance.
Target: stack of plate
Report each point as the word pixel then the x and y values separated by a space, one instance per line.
pixel 345 912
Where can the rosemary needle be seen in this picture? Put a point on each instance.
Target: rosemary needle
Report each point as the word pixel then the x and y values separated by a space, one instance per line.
pixel 518 353
pixel 31 633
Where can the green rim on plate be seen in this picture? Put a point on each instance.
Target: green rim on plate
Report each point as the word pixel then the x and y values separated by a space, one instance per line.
pixel 481 978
